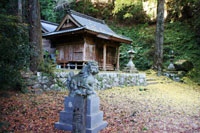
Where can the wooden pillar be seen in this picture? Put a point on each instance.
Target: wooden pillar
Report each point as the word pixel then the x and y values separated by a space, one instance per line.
pixel 84 49
pixel 64 65
pixel 104 57
pixel 117 67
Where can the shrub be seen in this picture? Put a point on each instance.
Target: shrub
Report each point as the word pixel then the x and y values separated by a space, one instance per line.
pixel 85 7
pixel 47 65
pixel 47 10
pixel 15 51
pixel 143 39
pixel 131 12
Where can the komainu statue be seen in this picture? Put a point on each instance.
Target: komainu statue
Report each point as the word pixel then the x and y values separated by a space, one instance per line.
pixel 82 83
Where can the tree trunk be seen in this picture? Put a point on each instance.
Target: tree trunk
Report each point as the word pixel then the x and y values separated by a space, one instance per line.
pixel 35 37
pixel 158 55
pixel 113 2
pixel 20 10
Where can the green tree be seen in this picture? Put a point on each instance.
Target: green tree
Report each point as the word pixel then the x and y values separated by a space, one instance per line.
pixel 130 12
pixel 47 10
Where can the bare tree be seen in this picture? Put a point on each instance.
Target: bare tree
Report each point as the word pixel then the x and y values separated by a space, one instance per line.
pixel 62 4
pixel 158 55
pixel 35 34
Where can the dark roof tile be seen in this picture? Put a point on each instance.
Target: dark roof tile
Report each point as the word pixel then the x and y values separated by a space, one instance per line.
pixel 48 26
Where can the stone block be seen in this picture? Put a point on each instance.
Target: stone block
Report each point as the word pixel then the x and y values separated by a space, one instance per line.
pixel 94 119
pixel 68 104
pixel 54 87
pixel 36 86
pixel 97 128
pixel 66 117
pixel 63 74
pixel 63 126
pixel 93 105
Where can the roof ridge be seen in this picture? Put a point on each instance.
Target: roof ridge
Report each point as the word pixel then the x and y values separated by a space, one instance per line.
pixel 62 31
pixel 49 22
pixel 88 17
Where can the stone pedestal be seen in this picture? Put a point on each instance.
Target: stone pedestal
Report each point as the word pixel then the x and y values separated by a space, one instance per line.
pixel 89 119
pixel 66 116
pixel 94 117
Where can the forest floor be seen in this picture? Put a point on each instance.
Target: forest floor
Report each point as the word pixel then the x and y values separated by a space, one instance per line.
pixel 166 106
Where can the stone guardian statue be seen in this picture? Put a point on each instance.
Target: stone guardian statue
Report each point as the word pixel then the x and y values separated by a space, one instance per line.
pixel 82 83
pixel 81 108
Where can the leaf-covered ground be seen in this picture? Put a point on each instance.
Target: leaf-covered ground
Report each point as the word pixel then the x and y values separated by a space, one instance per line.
pixel 167 106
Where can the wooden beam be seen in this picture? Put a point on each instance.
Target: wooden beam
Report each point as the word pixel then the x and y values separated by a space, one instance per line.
pixel 104 57
pixel 63 22
pixel 110 37
pixel 117 67
pixel 103 36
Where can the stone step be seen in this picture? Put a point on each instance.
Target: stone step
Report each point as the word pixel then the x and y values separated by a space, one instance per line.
pixel 151 79
pixel 152 83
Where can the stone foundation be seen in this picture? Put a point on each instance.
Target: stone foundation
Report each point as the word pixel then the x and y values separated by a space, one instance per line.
pixel 109 80
pixel 104 80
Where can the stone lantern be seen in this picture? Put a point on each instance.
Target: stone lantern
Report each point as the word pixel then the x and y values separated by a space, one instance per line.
pixel 171 66
pixel 130 67
pixel 171 71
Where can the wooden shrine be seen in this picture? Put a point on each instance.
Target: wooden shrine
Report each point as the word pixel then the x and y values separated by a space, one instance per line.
pixel 80 38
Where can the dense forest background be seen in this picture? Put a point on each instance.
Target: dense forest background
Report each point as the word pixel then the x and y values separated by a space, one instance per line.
pixel 137 20
pixel 133 18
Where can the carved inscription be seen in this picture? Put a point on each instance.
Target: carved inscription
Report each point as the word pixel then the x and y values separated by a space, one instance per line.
pixel 79 114
pixel 77 121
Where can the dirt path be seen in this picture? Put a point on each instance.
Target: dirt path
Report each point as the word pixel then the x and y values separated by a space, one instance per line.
pixel 165 107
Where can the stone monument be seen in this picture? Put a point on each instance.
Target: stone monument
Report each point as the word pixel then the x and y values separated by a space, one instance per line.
pixel 130 67
pixel 81 108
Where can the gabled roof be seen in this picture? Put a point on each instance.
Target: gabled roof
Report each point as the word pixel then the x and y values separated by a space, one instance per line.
pixel 90 25
pixel 48 26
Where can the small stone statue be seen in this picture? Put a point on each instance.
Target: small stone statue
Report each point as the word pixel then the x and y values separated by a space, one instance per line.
pixel 82 83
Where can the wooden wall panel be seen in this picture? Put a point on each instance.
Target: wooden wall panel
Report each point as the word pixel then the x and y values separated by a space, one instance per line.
pixel 111 55
pixel 67 50
pixel 78 56
pixel 61 53
pixel 46 44
pixel 111 48
pixel 90 52
pixel 99 54
pixel 70 52
pixel 90 49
